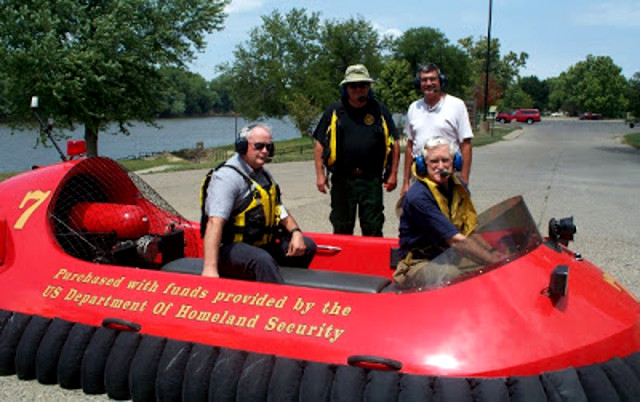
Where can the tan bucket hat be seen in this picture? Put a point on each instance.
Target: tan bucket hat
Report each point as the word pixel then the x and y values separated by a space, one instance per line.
pixel 356 73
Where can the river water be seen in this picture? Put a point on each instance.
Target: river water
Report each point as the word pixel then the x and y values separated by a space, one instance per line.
pixel 18 151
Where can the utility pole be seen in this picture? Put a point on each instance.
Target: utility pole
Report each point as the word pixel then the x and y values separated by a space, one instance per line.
pixel 486 79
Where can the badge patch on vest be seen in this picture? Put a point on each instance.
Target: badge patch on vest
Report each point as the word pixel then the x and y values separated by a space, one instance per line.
pixel 369 119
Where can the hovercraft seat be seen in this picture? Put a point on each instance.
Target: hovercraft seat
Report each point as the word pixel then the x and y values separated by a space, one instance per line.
pixel 313 278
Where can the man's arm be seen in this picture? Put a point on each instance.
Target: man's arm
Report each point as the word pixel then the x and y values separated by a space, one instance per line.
pixel 465 151
pixel 211 243
pixel 392 181
pixel 408 160
pixel 321 178
pixel 474 248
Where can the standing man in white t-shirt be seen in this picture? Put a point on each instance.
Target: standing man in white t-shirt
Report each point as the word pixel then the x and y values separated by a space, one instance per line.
pixel 438 114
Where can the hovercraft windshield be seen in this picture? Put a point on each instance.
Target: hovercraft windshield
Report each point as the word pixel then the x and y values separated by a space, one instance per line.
pixel 507 228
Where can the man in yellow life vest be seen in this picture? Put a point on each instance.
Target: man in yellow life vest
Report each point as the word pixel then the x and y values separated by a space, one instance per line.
pixel 247 231
pixel 357 142
pixel 437 213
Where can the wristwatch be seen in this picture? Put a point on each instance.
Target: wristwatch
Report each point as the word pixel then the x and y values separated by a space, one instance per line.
pixel 296 229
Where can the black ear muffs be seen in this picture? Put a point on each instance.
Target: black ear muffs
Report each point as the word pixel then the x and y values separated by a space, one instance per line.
pixel 430 66
pixel 242 145
pixel 443 81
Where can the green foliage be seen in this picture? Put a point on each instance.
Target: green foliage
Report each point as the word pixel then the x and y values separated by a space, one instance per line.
pixel 188 94
pixel 537 90
pixel 279 56
pixel 428 45
pixel 595 84
pixel 292 65
pixel 633 95
pixel 94 63
pixel 515 98
pixel 503 72
pixel 353 41
pixel 394 86
pixel 301 111
pixel 222 88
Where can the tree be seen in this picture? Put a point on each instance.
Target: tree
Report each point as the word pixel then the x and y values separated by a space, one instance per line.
pixel 94 62
pixel 428 45
pixel 514 98
pixel 292 65
pixel 633 95
pixel 503 72
pixel 394 86
pixel 222 87
pixel 353 41
pixel 188 94
pixel 595 84
pixel 559 100
pixel 279 56
pixel 537 90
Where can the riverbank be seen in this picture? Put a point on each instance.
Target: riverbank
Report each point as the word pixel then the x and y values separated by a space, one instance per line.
pixel 287 150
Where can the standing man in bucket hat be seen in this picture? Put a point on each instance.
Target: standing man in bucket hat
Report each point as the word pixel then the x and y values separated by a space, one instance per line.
pixel 356 155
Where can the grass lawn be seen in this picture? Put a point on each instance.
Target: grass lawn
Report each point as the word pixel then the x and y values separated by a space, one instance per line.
pixel 632 139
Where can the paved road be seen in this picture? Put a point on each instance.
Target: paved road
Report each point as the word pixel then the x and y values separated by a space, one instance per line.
pixel 562 168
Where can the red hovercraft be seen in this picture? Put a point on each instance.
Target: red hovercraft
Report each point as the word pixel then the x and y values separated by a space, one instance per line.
pixel 99 291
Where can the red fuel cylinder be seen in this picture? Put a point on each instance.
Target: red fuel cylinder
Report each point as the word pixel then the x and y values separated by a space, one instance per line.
pixel 128 221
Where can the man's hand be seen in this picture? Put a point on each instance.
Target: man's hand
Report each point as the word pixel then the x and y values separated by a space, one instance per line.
pixel 210 274
pixel 323 183
pixel 391 184
pixel 405 188
pixel 296 245
pixel 210 271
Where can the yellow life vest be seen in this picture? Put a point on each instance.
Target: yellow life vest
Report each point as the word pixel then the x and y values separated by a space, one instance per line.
pixel 257 222
pixel 462 212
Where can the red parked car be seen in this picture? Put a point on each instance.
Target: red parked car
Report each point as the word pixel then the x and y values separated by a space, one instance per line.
pixel 528 116
pixel 591 116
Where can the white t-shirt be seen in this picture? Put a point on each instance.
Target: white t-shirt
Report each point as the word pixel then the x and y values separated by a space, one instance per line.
pixel 449 119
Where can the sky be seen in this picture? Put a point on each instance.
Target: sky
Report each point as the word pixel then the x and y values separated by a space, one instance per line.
pixel 556 34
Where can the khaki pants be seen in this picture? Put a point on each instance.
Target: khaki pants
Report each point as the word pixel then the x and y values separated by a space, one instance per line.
pixel 412 273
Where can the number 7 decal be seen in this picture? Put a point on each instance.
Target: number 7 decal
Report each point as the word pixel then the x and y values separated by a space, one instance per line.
pixel 38 197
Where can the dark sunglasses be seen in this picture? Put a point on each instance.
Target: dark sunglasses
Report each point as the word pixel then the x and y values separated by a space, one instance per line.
pixel 360 85
pixel 259 145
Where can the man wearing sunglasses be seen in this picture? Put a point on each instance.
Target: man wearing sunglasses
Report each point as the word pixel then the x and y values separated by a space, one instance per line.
pixel 357 143
pixel 247 231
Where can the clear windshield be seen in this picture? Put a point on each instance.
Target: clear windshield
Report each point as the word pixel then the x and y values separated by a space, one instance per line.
pixel 506 228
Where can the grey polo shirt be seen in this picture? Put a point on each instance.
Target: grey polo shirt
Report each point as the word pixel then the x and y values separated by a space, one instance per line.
pixel 228 190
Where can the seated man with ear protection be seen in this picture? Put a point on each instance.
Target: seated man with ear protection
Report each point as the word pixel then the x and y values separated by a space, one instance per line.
pixel 437 213
pixel 247 231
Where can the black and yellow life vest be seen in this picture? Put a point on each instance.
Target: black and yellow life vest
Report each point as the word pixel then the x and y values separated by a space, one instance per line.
pixel 330 153
pixel 256 221
pixel 461 212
